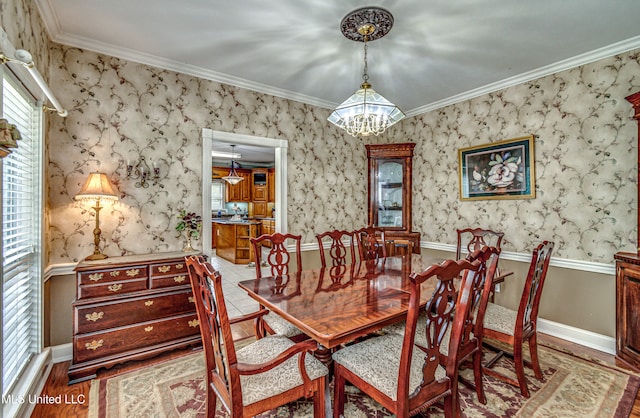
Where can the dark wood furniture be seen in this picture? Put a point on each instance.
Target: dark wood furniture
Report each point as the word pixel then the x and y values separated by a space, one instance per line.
pixel 283 382
pixel 372 243
pixel 232 240
pixel 628 283
pixel 279 261
pixel 129 308
pixel 473 239
pixel 338 251
pixel 515 328
pixel 377 294
pixel 392 370
pixel 389 193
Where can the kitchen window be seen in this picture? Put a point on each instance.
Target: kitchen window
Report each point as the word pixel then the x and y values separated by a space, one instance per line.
pixel 217 196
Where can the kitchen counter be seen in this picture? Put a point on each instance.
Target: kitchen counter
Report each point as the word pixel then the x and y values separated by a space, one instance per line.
pixel 232 239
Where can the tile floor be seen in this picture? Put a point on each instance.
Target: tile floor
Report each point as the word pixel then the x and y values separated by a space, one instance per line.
pixel 237 300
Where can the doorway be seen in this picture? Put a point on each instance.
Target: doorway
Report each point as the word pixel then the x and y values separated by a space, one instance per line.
pixel 280 147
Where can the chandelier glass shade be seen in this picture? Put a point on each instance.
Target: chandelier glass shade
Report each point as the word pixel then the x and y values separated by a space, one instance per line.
pixel 233 177
pixel 366 112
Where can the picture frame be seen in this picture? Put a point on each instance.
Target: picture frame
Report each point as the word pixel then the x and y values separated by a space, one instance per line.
pixel 498 170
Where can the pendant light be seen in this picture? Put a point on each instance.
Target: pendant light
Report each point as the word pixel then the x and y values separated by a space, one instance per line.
pixel 233 177
pixel 366 112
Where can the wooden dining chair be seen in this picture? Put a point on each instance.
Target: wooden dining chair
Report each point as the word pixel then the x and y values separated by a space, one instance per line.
pixel 393 370
pixel 371 243
pixel 470 348
pixel 279 261
pixel 473 239
pixel 339 241
pixel 263 375
pixel 515 327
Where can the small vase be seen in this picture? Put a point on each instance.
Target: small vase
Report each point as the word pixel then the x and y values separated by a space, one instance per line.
pixel 188 248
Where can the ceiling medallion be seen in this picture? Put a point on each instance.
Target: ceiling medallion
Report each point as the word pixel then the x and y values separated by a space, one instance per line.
pixel 366 112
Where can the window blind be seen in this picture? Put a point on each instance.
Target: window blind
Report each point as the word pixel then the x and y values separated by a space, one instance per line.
pixel 21 235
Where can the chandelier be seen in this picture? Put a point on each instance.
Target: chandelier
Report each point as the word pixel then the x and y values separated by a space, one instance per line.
pixel 366 112
pixel 233 177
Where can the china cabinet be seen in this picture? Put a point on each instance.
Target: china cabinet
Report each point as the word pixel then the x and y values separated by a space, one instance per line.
pixel 389 196
pixel 628 285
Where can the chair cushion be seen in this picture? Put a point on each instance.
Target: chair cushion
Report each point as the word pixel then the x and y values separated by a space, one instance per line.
pixel 377 362
pixel 281 326
pixel 398 329
pixel 501 319
pixel 279 379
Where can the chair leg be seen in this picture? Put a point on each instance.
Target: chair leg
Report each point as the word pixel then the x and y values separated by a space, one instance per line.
pixel 518 362
pixel 319 408
pixel 211 401
pixel 477 375
pixel 533 350
pixel 338 392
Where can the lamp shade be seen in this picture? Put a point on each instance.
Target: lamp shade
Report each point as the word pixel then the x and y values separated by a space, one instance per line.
pixel 97 186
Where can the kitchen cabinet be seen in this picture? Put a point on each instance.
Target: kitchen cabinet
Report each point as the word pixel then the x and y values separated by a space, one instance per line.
pixel 233 243
pixel 218 172
pixel 240 192
pixel 271 185
pixel 260 209
pixel 389 193
pixel 130 308
pixel 259 191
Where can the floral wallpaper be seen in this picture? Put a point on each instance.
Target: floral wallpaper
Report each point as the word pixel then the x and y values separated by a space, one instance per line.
pixel 585 162
pixel 585 153
pixel 119 111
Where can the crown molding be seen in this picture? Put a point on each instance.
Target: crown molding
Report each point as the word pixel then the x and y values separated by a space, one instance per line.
pixel 586 58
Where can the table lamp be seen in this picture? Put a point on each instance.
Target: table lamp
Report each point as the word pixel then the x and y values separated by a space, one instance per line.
pixel 97 187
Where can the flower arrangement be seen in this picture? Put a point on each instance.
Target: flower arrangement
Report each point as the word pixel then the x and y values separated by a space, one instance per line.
pixel 189 222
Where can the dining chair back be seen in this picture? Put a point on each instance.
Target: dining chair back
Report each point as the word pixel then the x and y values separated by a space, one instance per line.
pixel 279 261
pixel 515 327
pixel 265 374
pixel 393 370
pixel 473 239
pixel 278 257
pixel 338 251
pixel 371 243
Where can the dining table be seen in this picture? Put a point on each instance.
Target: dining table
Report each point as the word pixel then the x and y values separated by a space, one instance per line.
pixel 339 304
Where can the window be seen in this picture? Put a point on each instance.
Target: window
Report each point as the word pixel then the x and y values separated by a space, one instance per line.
pixel 217 196
pixel 21 250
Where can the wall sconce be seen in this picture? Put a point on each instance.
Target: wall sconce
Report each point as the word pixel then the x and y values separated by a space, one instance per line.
pixel 97 187
pixel 142 172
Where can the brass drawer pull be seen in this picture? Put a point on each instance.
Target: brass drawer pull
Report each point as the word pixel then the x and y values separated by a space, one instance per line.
pixel 148 329
pixel 179 279
pixel 148 303
pixel 94 316
pixel 133 272
pixel 94 345
pixel 114 287
pixel 179 266
pixel 192 299
pixel 96 277
pixel 194 323
pixel 164 269
pixel 114 273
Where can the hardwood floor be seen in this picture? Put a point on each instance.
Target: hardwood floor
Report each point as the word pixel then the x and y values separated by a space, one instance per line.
pixel 57 384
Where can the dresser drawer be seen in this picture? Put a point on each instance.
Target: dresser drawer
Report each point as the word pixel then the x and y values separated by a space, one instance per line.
pixel 112 288
pixel 100 316
pixel 102 344
pixel 169 274
pixel 112 275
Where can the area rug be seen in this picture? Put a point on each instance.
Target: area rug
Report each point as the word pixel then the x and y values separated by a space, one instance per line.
pixel 572 387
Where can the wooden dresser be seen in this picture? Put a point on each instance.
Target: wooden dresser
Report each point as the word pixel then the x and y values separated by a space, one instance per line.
pixel 628 283
pixel 129 308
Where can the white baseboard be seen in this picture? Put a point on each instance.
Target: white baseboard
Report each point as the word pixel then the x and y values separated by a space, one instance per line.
pixel 579 336
pixel 62 352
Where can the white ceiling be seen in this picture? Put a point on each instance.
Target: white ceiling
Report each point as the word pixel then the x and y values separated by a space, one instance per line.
pixel 437 53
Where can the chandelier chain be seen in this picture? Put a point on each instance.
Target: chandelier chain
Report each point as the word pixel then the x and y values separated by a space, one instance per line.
pixel 365 76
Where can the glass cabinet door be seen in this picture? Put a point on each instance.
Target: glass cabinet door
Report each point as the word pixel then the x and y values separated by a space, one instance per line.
pixel 389 193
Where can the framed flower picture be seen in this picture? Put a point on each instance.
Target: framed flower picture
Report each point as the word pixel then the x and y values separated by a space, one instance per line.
pixel 499 170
